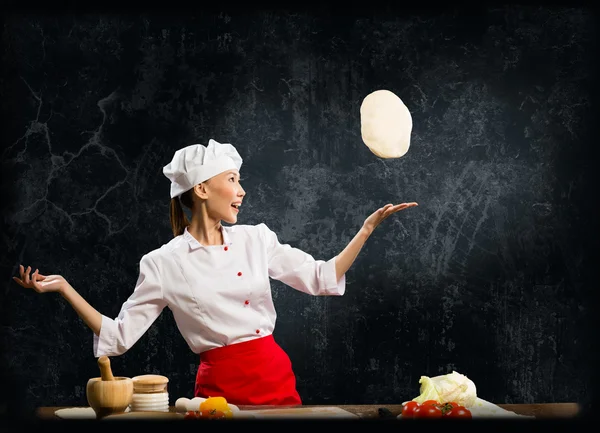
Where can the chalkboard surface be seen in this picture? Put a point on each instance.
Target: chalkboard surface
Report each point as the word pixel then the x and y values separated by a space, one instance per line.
pixel 490 276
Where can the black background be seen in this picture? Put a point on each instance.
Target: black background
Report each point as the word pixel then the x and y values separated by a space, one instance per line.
pixel 491 276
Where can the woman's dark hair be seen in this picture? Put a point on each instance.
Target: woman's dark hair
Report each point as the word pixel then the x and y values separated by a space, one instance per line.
pixel 178 218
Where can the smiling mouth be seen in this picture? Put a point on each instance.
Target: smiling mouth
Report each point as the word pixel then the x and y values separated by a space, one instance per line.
pixel 236 207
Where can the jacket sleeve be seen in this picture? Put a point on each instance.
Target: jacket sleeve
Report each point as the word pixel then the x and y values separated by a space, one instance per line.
pixel 300 270
pixel 137 314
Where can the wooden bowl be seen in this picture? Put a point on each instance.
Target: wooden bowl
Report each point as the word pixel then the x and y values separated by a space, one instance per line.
pixel 109 397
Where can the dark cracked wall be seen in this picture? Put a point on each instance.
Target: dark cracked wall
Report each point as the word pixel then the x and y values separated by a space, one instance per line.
pixel 490 276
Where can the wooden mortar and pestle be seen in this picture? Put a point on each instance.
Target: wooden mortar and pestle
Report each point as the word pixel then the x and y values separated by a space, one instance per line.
pixel 107 394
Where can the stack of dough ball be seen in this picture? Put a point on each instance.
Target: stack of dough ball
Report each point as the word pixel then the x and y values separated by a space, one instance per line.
pixel 386 124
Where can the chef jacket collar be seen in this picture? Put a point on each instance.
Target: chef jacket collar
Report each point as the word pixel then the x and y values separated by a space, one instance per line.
pixel 194 244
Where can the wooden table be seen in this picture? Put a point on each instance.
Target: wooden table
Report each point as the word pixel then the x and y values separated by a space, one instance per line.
pixel 371 411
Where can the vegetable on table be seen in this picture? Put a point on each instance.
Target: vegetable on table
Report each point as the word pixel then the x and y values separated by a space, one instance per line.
pixel 211 408
pixel 431 409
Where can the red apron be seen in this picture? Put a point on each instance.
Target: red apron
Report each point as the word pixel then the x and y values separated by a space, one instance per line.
pixel 255 372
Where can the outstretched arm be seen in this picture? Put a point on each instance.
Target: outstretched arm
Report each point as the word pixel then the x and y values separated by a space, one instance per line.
pixel 56 283
pixel 345 259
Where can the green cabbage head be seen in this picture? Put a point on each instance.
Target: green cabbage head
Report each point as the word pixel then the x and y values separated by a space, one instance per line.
pixel 448 387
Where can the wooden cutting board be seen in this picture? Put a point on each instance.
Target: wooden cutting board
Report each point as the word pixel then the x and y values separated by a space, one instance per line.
pixel 144 416
pixel 300 412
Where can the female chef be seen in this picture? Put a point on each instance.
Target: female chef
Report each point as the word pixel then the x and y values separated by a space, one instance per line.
pixel 215 280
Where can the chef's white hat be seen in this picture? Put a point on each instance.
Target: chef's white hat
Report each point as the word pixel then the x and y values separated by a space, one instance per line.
pixel 196 163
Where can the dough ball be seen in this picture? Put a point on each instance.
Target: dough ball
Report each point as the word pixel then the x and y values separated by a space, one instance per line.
pixel 194 403
pixel 184 404
pixel 181 405
pixel 385 124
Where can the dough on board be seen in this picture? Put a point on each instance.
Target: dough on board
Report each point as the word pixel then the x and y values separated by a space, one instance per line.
pixel 78 413
pixel 385 124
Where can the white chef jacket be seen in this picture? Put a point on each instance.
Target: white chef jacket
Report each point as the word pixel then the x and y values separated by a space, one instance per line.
pixel 219 294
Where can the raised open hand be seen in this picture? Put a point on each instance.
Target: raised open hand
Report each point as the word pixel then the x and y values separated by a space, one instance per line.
pixel 382 213
pixel 38 282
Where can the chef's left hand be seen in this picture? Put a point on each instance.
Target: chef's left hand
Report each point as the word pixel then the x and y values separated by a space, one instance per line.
pixel 382 213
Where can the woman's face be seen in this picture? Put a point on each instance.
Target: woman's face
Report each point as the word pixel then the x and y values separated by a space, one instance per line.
pixel 224 196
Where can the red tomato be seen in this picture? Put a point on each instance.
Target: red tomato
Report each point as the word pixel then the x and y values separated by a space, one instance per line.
pixel 445 407
pixel 459 412
pixel 408 409
pixel 212 414
pixel 190 414
pixel 429 411
pixel 430 402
